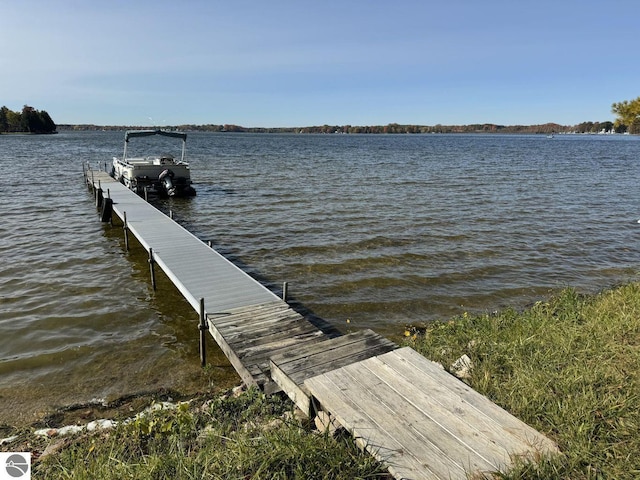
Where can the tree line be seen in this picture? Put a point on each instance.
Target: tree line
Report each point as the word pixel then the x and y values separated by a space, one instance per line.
pixel 29 120
pixel 547 128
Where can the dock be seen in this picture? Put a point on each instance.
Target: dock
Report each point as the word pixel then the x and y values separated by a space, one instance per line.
pixel 406 411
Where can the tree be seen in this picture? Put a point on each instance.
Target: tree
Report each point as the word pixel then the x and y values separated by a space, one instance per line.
pixel 628 113
pixel 47 123
pixel 31 120
pixel 13 121
pixel 4 124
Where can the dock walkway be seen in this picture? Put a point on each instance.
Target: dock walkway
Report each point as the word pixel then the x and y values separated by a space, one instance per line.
pixel 417 419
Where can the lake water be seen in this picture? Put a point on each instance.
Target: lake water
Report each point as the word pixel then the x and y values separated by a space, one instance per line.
pixel 370 231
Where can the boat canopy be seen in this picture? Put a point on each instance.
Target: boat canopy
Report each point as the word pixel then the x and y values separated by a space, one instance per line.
pixel 147 133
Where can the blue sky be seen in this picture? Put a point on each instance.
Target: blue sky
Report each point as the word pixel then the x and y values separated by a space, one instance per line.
pixel 296 63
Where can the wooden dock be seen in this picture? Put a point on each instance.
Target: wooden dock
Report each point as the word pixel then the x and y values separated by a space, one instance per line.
pixel 417 419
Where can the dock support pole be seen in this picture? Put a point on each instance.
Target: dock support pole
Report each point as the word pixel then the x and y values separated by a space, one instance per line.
pixel 126 232
pixel 203 328
pixel 153 272
pixel 99 197
pixel 110 216
pixel 210 243
pixel 171 214
pixel 285 291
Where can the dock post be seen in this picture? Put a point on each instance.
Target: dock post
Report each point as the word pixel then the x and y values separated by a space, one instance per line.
pixel 99 197
pixel 110 216
pixel 126 232
pixel 210 243
pixel 203 328
pixel 285 291
pixel 171 214
pixel 153 272
pixel 146 194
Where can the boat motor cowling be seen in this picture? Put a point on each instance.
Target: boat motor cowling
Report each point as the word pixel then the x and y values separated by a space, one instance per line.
pixel 166 179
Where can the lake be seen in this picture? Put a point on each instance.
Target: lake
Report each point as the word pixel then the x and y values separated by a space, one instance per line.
pixel 370 231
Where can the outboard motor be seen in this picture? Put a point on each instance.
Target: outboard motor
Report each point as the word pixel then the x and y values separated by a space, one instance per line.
pixel 166 180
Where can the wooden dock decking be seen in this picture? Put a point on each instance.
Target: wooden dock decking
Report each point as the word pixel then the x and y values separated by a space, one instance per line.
pixel 292 368
pixel 249 336
pixel 420 421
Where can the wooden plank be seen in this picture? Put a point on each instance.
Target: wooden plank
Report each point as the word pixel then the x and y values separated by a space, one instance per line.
pixel 454 412
pixel 250 358
pixel 251 309
pixel 338 353
pixel 245 374
pixel 334 363
pixel 373 436
pixel 296 358
pixel 260 330
pixel 248 313
pixel 296 392
pixel 257 362
pixel 261 357
pixel 416 368
pixel 458 431
pixel 244 321
pixel 276 342
pixel 273 323
pixel 252 341
pixel 410 425
pixel 290 369
pixel 420 406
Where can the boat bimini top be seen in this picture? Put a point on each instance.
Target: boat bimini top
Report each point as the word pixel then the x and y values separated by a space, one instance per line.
pixel 147 133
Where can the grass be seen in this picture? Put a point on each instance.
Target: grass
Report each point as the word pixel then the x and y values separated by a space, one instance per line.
pixel 249 436
pixel 569 367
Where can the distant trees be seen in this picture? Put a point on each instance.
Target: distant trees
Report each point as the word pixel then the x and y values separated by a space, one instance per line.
pixel 391 128
pixel 628 113
pixel 29 120
pixel 628 120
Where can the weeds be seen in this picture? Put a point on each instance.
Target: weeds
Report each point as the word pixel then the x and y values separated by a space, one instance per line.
pixel 249 436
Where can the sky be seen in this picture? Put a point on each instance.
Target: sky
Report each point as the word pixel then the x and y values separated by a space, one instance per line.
pixel 286 63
